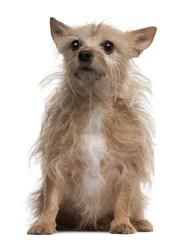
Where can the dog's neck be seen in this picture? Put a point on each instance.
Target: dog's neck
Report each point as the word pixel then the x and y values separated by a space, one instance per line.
pixel 90 96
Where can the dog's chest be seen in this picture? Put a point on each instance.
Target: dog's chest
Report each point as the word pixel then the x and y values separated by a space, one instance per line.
pixel 94 142
pixel 93 151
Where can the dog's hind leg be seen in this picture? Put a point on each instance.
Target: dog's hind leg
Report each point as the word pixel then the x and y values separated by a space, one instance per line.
pixel 137 209
pixel 67 219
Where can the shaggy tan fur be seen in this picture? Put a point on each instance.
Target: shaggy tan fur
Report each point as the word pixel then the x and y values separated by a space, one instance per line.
pixel 95 144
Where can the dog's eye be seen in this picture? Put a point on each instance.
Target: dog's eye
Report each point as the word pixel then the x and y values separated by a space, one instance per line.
pixel 108 47
pixel 75 45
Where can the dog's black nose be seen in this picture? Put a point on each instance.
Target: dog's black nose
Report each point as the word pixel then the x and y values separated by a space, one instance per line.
pixel 85 56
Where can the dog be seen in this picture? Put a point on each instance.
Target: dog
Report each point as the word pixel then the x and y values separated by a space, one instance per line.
pixel 95 146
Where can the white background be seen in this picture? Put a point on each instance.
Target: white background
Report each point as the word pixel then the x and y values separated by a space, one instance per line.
pixel 27 55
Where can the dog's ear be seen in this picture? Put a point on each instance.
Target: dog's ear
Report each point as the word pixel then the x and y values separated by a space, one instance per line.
pixel 139 40
pixel 58 30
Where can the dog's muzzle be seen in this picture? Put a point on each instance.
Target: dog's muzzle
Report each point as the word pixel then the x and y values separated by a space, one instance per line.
pixel 86 70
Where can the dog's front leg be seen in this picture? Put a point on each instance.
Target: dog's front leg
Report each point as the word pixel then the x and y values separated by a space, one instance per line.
pixel 121 222
pixel 52 198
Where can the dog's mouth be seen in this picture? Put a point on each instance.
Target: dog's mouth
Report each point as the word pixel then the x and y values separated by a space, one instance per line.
pixel 87 69
pixel 88 73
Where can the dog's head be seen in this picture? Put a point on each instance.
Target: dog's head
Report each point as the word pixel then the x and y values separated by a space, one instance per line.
pixel 97 55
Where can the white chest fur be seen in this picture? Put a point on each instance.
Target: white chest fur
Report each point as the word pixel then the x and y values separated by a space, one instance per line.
pixel 93 152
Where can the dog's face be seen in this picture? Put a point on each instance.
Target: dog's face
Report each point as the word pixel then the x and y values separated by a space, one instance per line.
pixel 97 55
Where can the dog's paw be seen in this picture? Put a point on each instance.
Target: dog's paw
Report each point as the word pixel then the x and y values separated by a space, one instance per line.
pixel 41 229
pixel 124 228
pixel 143 226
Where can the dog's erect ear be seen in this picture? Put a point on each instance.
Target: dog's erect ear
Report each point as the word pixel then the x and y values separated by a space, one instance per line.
pixel 58 29
pixel 139 40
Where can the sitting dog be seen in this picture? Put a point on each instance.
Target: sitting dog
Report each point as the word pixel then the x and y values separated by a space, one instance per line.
pixel 95 144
